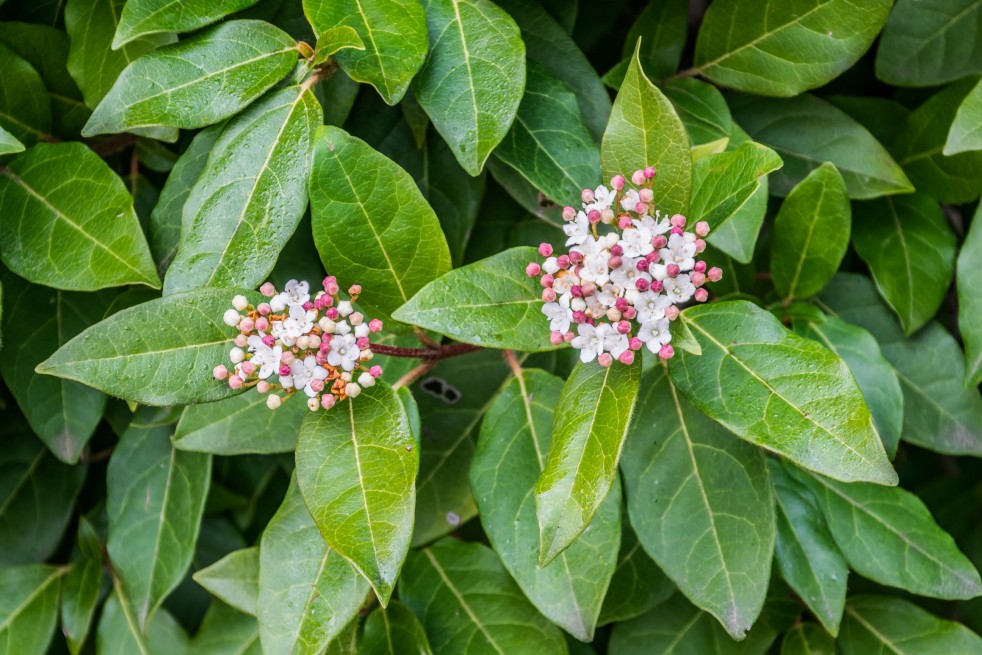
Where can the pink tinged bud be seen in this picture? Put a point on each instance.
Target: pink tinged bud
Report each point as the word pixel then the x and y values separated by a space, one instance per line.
pixel 605 360
pixel 375 325
pixel 642 265
pixel 615 262
pixel 697 278
pixel 268 340
pixel 263 386
pixel 220 372
pixel 659 242
pixel 678 220
pixel 616 251
pixel 575 257
pixel 700 267
pixel 630 313
pixel 589 289
pixel 701 295
pixel 613 315
pixel 325 346
pixel 569 213
pixel 641 284
pixel 375 371
pixel 362 343
pixel 547 280
pixel 533 269
pixel 617 182
pixel 264 309
pixel 308 305
pixel 646 195
pixel 672 312
pixel 593 216
pixel 607 216
pixel 677 230
pixel 545 250
pixel 700 245
pixel 624 222
pixel 563 261
pixel 702 228
pixel 621 304
pixel 587 195
pixel 262 324
pixel 635 343
pixel 623 327
pixel 666 351
pixel 627 357
pixel 637 177
pixel 320 358
pixel 556 338
pixel 579 317
pixel 641 208
pixel 248 368
pixel 569 336
pixel 268 290
pixel 657 286
pixel 317 385
pixel 236 382
pixel 247 325
pixel 715 274
pixel 327 401
pixel 332 313
pixel 548 295
pixel 649 172
pixel 241 340
pixel 576 290
pixel 286 357
pixel 672 270
pixel 354 289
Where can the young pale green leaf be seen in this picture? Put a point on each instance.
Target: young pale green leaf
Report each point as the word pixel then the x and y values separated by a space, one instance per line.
pixel 144 17
pixel 638 584
pixel 28 607
pixel 99 241
pixel 334 40
pixel 468 604
pixel 371 224
pixel 224 631
pixel 737 236
pixel 882 624
pixel 490 303
pixel 79 597
pixel 807 131
pixel 700 107
pixel 939 412
pixel 472 105
pixel 119 634
pixel 308 593
pixel 780 391
pixel 920 149
pixel 806 554
pixel 393 34
pixel 929 42
pixel 9 144
pixel 548 144
pixel 874 375
pixel 25 112
pixel 889 536
pixel 969 301
pixel 700 501
pixel 723 183
pixel 811 234
pixel 393 630
pixel 965 132
pixel 199 81
pixel 156 497
pixel 644 130
pixel 234 579
pixel 250 196
pixel 356 468
pixel 63 414
pixel 592 417
pixel 240 425
pixel 910 248
pixel 788 48
pixel 173 368
pixel 515 436
pixel 807 639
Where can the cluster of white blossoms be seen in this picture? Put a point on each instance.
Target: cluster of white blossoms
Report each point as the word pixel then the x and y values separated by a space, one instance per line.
pixel 618 290
pixel 294 342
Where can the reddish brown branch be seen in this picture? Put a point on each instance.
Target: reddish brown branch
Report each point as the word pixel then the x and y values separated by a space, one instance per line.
pixel 440 352
pixel 113 144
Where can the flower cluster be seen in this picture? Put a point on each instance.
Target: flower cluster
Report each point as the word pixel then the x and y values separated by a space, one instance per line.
pixel 617 291
pixel 295 342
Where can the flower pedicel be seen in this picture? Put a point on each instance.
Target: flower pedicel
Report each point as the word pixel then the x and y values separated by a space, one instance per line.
pixel 615 292
pixel 294 343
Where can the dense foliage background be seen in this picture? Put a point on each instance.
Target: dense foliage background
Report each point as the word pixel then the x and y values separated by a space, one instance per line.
pixel 158 157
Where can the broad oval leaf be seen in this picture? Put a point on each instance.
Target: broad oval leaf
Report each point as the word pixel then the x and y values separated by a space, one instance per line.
pixel 893 625
pixel 662 28
pixel 638 584
pixel 174 368
pixel 807 639
pixel 784 49
pixel 592 417
pixel 118 632
pixel 51 238
pixel 970 302
pixel 889 536
pixel 25 115
pixel 28 607
pixel 156 497
pixel 144 17
pixel 79 596
pixel 807 131
pixel 644 130
pixel 515 436
pixel 723 183
pixel 250 196
pixel 490 303
pixel 780 391
pixel 700 502
pixel 356 468
pixel 393 33
pixel 471 105
pixel 371 224
pixel 197 82
pixel 308 593
pixel 393 630
pixel 234 579
pixel 965 132
pixel 241 424
pixel 468 604
pixel 700 106
pixel 9 144
pixel 811 233
pixel 225 631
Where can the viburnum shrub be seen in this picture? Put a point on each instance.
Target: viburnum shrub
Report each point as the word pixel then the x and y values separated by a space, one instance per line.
pixel 393 326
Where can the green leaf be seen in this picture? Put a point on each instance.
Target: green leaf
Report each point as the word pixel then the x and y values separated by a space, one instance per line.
pixel 893 625
pixel 644 130
pixel 25 113
pixel 79 597
pixel 393 630
pixel 700 106
pixel 884 118
pixel 723 183
pixel 969 301
pixel 592 417
pixel 515 436
pixel 806 554
pixel 662 28
pixel 189 339
pixel 234 579
pixel 254 185
pixel 807 639
pixel 472 105
pixel 548 144
pixel 761 381
pixel 965 133
pixel 700 501
pixel 240 425
pixel 393 33
pixel 224 631
pixel 335 39
pixel 788 48
pixel 468 604
pixel 929 42
pixel 62 413
pixel 888 535
pixel 28 607
pixel 119 634
pixel 156 497
pixel 490 303
pixel 356 468
pixel 8 143
pixel 737 236
pixel 910 249
pixel 361 197
pixel 807 131
pixel 143 17
pixel 638 584
pixel 199 81
pixel 874 375
pixel 100 243
pixel 811 234
pixel 308 593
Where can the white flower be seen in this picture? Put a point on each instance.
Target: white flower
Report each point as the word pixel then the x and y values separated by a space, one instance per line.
pixel 602 199
pixel 298 324
pixel 607 296
pixel 636 242
pixel 628 273
pixel 297 293
pixel 342 328
pixel 655 334
pixel 551 265
pixel 559 315
pixel 590 340
pixel 629 200
pixel 563 283
pixel 655 226
pixel 266 358
pixel 306 372
pixel 595 267
pixel 680 251
pixel 362 330
pixel 651 306
pixel 679 289
pixel 345 308
pixel 577 230
pixel 365 380
pixel 286 381
pixel 616 343
pixel 344 351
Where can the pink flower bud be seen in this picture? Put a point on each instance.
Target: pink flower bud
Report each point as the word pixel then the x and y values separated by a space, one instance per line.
pixel 700 267
pixel 267 289
pixel 677 230
pixel 624 222
pixel 617 182
pixel 220 372
pixel 332 313
pixel 308 306
pixel 575 257
pixel 362 343
pixel 641 208
pixel 589 288
pixel 263 386
pixel 615 262
pixel 241 340
pixel 547 280
pixel 248 368
pixel 649 172
pixel 593 216
pixel 545 250
pixel 637 177
pixel 533 269
pixel 264 309
pixel 659 241
pixel 605 360
pixel 621 304
pixel 317 385
pixel 563 261
pixel 641 284
pixel 236 382
pixel 627 357
pixel 354 290
pixel 569 336
pixel 700 245
pixel 701 295
pixel 247 325
pixel 579 317
pixel 635 343
pixel 375 371
pixel 587 195
pixel 666 351
pixel 678 220
pixel 657 286
pixel 569 213
pixel 287 357
pixel 623 327
pixel 672 270
pixel 702 228
pixel 642 265
pixel 715 274
pixel 697 278
pixel 556 338
pixel 325 346
pixel 320 358
pixel 616 251
pixel 630 313
pixel 375 325
pixel 284 370
pixel 576 290
pixel 671 312
pixel 268 340
pixel 262 324
pixel 646 195
pixel 327 401
pixel 548 295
